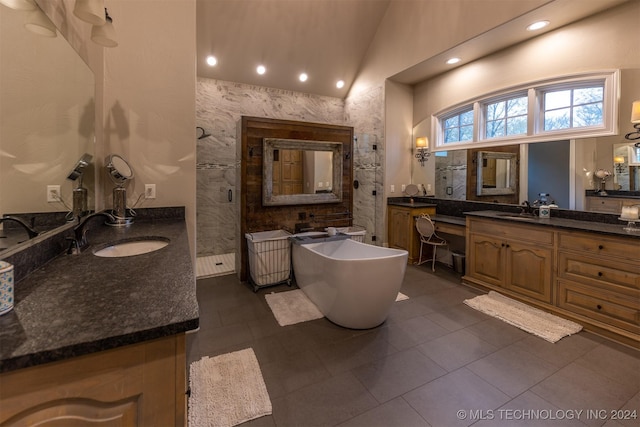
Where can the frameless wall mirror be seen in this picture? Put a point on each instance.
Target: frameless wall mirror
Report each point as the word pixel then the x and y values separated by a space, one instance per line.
pixel 496 173
pixel 47 118
pixel 299 172
pixel 626 167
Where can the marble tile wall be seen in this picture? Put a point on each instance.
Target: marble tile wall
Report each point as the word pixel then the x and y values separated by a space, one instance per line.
pixel 219 107
pixel 364 111
pixel 451 175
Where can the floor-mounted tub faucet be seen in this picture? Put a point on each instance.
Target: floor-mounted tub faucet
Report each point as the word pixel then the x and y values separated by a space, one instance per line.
pixel 79 242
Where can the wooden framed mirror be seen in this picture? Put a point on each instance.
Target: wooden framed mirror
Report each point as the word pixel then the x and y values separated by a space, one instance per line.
pixel 496 173
pixel 301 172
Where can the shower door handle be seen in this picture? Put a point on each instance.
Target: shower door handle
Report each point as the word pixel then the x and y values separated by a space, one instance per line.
pixel 230 195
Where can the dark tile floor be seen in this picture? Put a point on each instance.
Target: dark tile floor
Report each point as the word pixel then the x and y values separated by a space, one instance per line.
pixel 434 362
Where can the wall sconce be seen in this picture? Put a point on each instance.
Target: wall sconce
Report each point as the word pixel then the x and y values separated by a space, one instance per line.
pixel 39 23
pixel 104 35
pixel 619 161
pixel 19 4
pixel 635 119
pixel 422 150
pixel 91 11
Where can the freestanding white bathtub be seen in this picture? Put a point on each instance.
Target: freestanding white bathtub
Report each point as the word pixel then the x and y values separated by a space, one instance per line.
pixel 353 284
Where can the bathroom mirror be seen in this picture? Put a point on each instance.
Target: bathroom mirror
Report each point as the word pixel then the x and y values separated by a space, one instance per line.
pixel 119 170
pixel 626 167
pixel 298 172
pixel 47 117
pixel 496 173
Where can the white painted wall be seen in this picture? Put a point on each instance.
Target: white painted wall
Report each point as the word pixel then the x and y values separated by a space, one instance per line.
pixel 149 101
pixel 602 42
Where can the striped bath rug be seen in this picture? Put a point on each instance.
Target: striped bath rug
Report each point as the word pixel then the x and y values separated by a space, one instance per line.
pixel 537 322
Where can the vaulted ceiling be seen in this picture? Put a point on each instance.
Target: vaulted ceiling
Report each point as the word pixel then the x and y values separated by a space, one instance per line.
pixel 328 40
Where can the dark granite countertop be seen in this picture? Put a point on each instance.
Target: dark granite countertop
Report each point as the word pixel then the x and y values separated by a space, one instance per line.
pixel 80 304
pixel 572 224
pixel 448 219
pixel 415 204
pixel 614 194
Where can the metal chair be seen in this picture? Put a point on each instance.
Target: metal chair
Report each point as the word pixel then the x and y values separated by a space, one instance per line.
pixel 427 231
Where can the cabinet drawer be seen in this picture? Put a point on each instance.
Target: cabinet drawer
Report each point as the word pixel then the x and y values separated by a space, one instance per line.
pixel 443 227
pixel 606 274
pixel 508 229
pixel 600 245
pixel 603 204
pixel 614 309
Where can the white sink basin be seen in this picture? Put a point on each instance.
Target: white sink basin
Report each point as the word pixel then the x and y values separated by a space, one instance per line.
pixel 132 247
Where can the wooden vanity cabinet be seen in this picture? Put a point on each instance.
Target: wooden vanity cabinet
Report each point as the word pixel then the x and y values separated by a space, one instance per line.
pixel 604 204
pixel 599 280
pixel 402 231
pixel 510 258
pixel 590 278
pixel 141 384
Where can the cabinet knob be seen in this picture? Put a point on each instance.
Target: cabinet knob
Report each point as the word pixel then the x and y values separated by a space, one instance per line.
pixel 599 307
pixel 600 247
pixel 599 273
pixel 507 245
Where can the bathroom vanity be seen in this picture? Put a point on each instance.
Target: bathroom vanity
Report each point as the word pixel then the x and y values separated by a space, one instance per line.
pixel 401 226
pixel 585 271
pixel 102 339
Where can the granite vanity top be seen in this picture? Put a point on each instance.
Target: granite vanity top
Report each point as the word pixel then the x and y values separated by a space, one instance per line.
pixel 449 219
pixel 571 224
pixel 415 204
pixel 80 304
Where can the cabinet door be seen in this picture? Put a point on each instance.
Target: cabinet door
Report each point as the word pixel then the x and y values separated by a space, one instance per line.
pixel 400 222
pixel 528 270
pixel 486 259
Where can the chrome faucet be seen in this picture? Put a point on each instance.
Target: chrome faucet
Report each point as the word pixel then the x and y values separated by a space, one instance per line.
pixel 80 242
pixel 30 231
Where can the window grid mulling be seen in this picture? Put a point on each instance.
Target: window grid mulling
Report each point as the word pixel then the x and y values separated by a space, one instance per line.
pixel 458 127
pixel 506 117
pixel 573 107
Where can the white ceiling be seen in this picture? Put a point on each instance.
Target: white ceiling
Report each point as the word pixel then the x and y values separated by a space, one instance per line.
pixel 328 39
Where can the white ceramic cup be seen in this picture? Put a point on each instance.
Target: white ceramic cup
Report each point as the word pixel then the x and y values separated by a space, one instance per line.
pixel 6 287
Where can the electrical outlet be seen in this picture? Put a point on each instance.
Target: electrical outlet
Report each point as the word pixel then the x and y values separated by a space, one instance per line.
pixel 393 188
pixel 403 187
pixel 53 193
pixel 428 187
pixel 149 191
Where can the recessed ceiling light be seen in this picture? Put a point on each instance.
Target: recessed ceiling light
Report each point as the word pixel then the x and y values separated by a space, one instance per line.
pixel 211 60
pixel 303 77
pixel 537 25
pixel 261 69
pixel 340 84
pixel 453 60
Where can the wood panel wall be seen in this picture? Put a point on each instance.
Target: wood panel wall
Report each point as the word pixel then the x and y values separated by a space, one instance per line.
pixel 255 217
pixel 472 175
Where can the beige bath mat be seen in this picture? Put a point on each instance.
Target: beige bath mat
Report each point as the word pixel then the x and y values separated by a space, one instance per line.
pixel 292 307
pixel 401 297
pixel 537 322
pixel 227 390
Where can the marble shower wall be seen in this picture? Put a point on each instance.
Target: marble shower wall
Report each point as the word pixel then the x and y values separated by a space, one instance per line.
pixel 364 112
pixel 451 175
pixel 219 107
